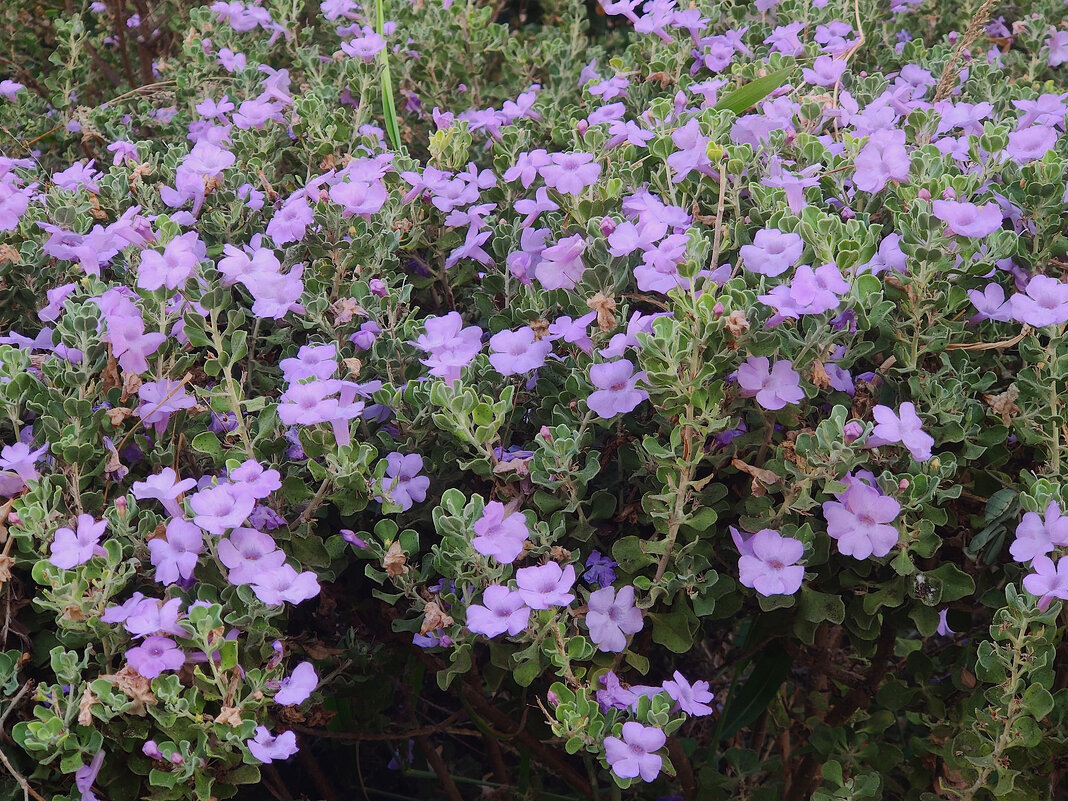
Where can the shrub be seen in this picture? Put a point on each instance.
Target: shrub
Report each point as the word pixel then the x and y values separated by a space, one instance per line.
pixel 534 401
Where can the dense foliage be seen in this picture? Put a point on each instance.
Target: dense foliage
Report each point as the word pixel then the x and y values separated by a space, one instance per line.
pixel 447 399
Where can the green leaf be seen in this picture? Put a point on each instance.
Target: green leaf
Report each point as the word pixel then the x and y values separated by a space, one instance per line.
pixel 753 697
pixel 675 630
pixel 207 443
pixel 819 606
pixel 1038 701
pixel 753 92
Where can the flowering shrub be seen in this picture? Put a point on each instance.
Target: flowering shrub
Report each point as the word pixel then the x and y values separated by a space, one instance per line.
pixel 422 399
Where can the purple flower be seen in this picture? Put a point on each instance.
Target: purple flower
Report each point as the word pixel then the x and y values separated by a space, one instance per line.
pixel 1044 303
pixel 633 755
pixel 772 253
pixel 1057 44
pixel 155 655
pixel 882 159
pixel 544 586
pixel 518 352
pixel 285 584
pixel 402 483
pixel 826 71
pixel 613 695
pixel 255 480
pixel 501 610
pixel 164 487
pixel 943 629
pixel 309 403
pixel 20 459
pixel 70 549
pixel 267 748
pixel 298 686
pixel 773 385
pixel 990 304
pixel 904 427
pixel 248 553
pixel 174 266
pixel 599 570
pixel 860 521
pixel 612 616
pixel 617 391
pixel 216 509
pixel 690 698
pixel 967 219
pixel 175 557
pixel 498 535
pixel 1028 144
pixel 692 153
pixel 150 616
pixel 450 346
pixel 86 774
pixel 161 399
pixel 1036 536
pixel 809 292
pixel 570 173
pixel 561 265
pixel 573 331
pixel 1048 581
pixel 768 562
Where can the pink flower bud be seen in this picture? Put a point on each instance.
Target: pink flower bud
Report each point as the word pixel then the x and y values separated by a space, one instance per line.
pixel 717 310
pixel 546 434
pixel 949 194
pixel 924 194
pixel 377 287
pixel 554 700
pixel 608 226
pixel 121 505
pixel 582 126
pixel 852 431
pixel 902 485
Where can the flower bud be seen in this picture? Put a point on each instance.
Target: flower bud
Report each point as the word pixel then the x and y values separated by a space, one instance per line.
pixel 924 194
pixel 121 505
pixel 852 431
pixel 608 226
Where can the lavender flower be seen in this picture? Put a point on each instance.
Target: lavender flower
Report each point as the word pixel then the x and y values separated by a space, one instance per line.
pixel 860 521
pixel 773 385
pixel 617 392
pixel 403 485
pixel 767 562
pixel 502 610
pixel 70 549
pixel 1037 536
pixel 611 617
pixel 267 748
pixel 633 755
pixel 772 253
pixel 545 586
pixel 904 427
pixel 518 352
pixel 967 219
pixel 689 698
pixel 175 557
pixel 298 686
pixel 155 656
pixel 599 570
pixel 498 535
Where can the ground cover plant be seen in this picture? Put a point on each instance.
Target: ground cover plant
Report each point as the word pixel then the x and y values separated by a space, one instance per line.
pixel 540 401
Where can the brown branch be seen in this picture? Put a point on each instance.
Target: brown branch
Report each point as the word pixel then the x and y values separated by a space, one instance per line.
pixel 120 32
pixel 441 770
pixel 401 735
pixel 804 781
pixel 322 784
pixel 23 783
pixel 683 769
